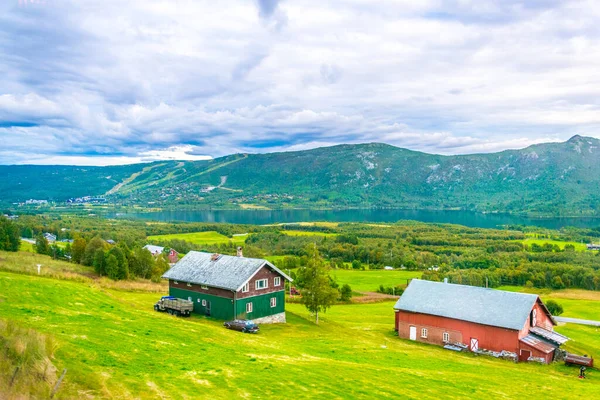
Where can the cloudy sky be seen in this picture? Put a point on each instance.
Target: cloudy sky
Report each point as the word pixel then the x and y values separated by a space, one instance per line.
pixel 102 82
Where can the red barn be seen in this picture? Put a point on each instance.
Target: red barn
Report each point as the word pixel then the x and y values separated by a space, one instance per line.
pixel 478 319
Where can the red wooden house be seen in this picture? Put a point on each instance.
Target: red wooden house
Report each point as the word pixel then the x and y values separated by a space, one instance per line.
pixel 477 318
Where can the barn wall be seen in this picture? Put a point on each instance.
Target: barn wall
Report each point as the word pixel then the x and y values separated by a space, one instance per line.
pixel 264 273
pixel 261 305
pixel 536 353
pixel 197 288
pixel 490 338
pixel 220 307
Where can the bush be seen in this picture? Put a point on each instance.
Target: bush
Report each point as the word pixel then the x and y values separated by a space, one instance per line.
pixel 345 292
pixel 554 308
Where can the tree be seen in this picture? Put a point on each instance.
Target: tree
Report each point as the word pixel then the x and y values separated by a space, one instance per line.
pixel 554 307
pixel 141 263
pixel 41 245
pixel 10 239
pixel 78 250
pixel 90 250
pixel 356 264
pixel 112 267
pixel 122 267
pixel 557 283
pixel 159 268
pixel 345 292
pixel 317 293
pixel 99 262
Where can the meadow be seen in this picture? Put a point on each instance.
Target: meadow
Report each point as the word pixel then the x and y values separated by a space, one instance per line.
pixel 201 238
pixel 115 346
pixel 369 281
pixel 560 243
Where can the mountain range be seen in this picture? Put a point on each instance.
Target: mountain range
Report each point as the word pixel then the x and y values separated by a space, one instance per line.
pixel 550 178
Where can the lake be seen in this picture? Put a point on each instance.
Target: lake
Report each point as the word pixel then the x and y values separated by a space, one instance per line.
pixel 263 217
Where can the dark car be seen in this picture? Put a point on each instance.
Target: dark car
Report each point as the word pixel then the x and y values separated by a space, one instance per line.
pixel 242 325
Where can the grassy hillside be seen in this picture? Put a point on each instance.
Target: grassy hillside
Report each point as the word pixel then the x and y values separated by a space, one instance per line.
pixel 115 346
pixel 552 179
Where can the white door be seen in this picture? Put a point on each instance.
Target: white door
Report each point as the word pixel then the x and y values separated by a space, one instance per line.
pixel 413 333
pixel 474 344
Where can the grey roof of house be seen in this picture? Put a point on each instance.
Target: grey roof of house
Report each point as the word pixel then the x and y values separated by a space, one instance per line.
pixel 227 272
pixel 154 249
pixel 468 303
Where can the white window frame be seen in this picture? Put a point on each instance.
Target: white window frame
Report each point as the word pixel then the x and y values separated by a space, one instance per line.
pixel 190 298
pixel 203 287
pixel 248 307
pixel 246 287
pixel 266 281
pixel 175 283
pixel 424 333
pixel 273 302
pixel 277 281
pixel 189 284
pixel 203 302
pixel 446 337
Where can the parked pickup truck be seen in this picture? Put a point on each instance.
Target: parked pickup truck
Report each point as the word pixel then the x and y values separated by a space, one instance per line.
pixel 174 306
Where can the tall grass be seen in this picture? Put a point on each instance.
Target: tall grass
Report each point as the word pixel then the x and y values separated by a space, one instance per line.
pixel 26 264
pixel 32 353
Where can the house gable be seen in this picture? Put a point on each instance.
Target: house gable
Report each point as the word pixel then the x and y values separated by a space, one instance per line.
pixel 264 273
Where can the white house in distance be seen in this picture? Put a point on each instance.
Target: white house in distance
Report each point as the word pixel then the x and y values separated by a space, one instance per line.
pixel 155 250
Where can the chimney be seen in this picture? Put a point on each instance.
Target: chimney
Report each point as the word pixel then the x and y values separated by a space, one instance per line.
pixel 445 280
pixel 239 252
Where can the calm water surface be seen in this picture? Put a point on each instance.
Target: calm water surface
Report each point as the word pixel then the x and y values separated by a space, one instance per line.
pixel 262 217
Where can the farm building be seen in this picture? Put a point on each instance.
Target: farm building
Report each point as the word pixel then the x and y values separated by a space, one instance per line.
pixel 477 319
pixel 228 287
pixel 172 256
pixel 50 237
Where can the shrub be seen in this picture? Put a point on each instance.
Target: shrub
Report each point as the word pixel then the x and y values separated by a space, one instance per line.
pixel 554 307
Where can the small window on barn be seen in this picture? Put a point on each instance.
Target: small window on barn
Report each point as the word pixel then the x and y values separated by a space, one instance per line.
pixel 246 288
pixel 249 307
pixel 424 333
pixel 175 283
pixel 262 284
pixel 204 287
pixel 189 285
pixel 533 317
pixel 190 299
pixel 445 337
pixel 203 303
pixel 277 281
pixel 273 302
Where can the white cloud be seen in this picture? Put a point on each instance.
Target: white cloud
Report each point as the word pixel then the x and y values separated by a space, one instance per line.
pixel 148 79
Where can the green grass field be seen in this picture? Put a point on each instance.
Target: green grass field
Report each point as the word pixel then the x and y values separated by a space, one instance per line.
pixel 115 346
pixel 307 233
pixel 561 244
pixel 369 281
pixel 209 237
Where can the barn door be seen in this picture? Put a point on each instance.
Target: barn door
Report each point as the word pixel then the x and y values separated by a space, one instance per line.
pixel 413 333
pixel 474 344
pixel 524 355
pixel 208 308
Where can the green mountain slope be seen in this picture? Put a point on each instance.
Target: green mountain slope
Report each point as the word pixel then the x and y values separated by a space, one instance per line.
pixel 552 178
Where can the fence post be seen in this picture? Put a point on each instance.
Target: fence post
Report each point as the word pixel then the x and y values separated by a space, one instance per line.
pixel 12 380
pixel 58 383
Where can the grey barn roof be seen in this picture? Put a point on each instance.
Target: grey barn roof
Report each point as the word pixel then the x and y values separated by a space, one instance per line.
pixel 227 272
pixel 468 303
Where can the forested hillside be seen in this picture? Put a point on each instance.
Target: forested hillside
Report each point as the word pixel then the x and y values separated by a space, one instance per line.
pixel 552 178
